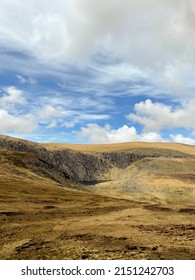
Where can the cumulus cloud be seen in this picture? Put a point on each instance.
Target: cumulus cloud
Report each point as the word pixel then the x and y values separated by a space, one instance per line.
pixel 178 138
pixel 13 119
pixel 157 116
pixel 97 134
pixel 18 124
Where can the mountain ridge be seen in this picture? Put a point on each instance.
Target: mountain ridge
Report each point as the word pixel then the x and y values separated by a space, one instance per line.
pixel 82 165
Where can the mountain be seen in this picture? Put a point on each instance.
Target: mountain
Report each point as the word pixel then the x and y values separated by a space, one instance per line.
pixel 96 201
pixel 151 171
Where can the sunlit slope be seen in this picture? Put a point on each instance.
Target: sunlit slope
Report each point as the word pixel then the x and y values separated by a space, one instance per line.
pixel 94 148
pixel 156 172
pixel 160 180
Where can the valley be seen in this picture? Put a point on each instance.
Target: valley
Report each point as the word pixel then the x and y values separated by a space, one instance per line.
pixel 120 201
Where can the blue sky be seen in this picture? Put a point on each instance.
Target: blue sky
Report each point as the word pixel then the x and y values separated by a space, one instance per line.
pixel 86 71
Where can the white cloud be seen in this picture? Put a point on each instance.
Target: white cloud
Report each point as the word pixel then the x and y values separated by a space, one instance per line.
pixel 48 111
pixel 69 124
pixel 90 117
pixel 150 137
pixel 18 124
pixel 156 116
pixel 51 114
pixel 124 41
pixel 14 120
pixel 178 138
pixel 147 33
pixel 97 134
pixel 173 79
pixel 11 97
pixel 52 124
pixel 119 72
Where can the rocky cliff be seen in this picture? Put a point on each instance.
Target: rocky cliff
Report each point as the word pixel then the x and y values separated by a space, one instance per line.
pixel 77 165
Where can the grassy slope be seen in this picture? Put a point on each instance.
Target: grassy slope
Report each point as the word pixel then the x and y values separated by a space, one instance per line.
pixel 94 148
pixel 162 180
pixel 40 219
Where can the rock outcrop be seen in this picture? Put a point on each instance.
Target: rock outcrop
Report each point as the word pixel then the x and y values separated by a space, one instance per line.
pixel 76 165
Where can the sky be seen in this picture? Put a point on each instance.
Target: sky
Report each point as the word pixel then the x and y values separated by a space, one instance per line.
pixel 91 71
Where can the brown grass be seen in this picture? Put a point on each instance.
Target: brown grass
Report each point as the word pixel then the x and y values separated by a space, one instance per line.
pixel 40 219
pixel 94 148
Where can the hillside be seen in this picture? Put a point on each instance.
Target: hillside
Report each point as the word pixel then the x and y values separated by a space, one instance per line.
pixel 96 201
pixel 159 172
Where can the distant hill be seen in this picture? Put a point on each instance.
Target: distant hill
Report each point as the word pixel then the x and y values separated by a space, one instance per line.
pixel 155 171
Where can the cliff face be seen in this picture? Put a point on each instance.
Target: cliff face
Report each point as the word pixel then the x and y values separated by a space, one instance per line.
pixel 80 166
